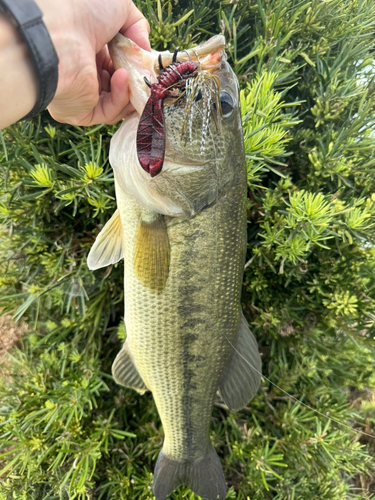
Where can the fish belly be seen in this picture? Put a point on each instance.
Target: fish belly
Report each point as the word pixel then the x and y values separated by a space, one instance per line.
pixel 178 337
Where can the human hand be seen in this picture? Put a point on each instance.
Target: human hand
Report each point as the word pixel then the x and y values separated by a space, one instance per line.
pixel 89 90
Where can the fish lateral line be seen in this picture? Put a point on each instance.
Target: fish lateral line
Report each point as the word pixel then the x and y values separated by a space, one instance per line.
pixel 298 400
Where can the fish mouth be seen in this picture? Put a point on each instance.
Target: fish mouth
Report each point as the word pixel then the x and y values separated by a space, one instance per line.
pixel 181 168
pixel 176 80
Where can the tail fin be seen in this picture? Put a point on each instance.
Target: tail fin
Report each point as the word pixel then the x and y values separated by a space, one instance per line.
pixel 204 477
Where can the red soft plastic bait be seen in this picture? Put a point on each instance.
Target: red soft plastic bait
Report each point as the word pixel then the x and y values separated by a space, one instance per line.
pixel 151 133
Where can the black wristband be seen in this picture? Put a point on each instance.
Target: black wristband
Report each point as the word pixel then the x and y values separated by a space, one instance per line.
pixel 27 18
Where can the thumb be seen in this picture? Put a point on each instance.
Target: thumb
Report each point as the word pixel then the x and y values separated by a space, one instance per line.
pixel 136 27
pixel 139 34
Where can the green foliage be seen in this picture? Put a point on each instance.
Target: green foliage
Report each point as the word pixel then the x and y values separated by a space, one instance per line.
pixel 306 71
pixel 265 126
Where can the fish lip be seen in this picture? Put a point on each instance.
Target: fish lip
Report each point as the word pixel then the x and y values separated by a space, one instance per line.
pixel 179 166
pixel 168 165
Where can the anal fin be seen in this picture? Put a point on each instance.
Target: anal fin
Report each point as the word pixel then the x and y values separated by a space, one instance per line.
pixel 125 372
pixel 240 382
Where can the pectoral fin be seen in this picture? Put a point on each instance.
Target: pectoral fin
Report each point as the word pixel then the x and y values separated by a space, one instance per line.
pixel 240 381
pixel 125 372
pixel 152 251
pixel 108 246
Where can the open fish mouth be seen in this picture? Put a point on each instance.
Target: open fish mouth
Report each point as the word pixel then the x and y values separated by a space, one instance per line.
pixel 178 148
pixel 181 82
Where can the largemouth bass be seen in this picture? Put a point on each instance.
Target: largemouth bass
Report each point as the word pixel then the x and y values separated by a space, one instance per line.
pixel 181 229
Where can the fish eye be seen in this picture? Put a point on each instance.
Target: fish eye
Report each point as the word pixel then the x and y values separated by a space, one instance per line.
pixel 227 104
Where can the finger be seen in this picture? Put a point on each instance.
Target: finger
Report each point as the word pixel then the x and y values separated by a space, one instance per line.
pixel 137 28
pixel 112 106
pixel 103 60
pixel 105 79
pixel 107 64
pixel 100 57
pixel 125 112
pixel 116 105
pixel 110 68
pixel 139 34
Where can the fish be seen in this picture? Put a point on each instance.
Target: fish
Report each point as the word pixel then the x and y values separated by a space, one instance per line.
pixel 181 230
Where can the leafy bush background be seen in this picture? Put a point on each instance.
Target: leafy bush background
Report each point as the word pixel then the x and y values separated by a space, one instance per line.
pixel 306 70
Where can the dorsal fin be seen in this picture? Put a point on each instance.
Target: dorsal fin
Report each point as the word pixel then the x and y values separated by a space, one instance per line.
pixel 152 251
pixel 108 246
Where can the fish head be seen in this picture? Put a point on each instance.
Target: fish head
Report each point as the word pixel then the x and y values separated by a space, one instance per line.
pixel 203 143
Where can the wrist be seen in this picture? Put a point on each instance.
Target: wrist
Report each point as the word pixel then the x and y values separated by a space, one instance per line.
pixel 19 84
pixel 26 17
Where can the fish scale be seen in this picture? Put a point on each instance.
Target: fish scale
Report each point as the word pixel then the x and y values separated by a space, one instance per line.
pixel 167 345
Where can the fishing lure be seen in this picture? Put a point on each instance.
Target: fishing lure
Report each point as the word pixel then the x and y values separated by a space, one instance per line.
pixel 151 133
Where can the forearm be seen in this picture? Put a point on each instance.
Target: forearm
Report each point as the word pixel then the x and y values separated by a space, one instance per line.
pixel 18 84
